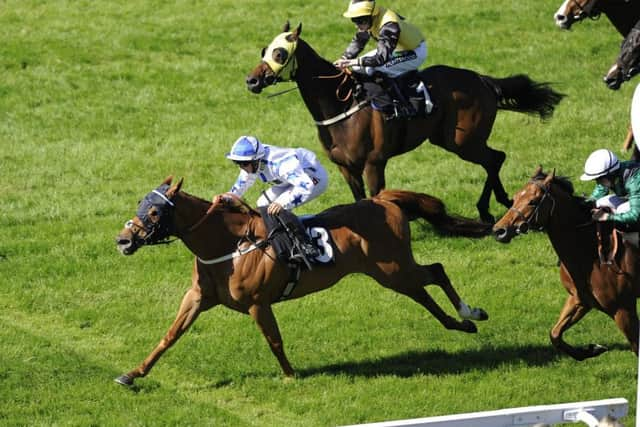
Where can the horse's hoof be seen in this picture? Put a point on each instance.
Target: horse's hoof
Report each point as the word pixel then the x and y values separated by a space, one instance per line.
pixel 479 314
pixel 124 380
pixel 469 326
pixel 597 349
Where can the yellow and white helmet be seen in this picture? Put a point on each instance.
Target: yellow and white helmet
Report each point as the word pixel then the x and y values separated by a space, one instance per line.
pixel 358 8
pixel 599 163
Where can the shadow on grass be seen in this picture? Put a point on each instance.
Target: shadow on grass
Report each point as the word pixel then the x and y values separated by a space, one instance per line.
pixel 441 362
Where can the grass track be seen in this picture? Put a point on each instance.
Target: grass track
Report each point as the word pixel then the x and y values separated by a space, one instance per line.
pixel 99 101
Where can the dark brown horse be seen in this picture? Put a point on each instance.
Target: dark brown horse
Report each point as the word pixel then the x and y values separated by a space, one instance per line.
pixel 547 202
pixel 624 15
pixel 235 266
pixel 359 140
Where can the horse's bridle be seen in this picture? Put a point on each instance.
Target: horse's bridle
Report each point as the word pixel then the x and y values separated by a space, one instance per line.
pixel 532 220
pixel 586 11
pixel 156 232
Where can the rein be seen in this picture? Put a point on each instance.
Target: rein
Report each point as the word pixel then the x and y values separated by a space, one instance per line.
pixel 536 212
pixel 345 74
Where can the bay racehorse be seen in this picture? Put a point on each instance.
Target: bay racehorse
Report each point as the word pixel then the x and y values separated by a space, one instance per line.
pixel 359 140
pixel 547 203
pixel 235 266
pixel 624 15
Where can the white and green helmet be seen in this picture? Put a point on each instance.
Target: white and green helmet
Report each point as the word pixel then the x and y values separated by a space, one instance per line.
pixel 599 163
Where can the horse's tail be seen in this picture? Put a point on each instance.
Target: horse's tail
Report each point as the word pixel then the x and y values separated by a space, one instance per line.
pixel 521 94
pixel 419 205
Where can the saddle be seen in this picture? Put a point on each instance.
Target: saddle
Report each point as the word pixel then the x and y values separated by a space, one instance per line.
pixel 401 97
pixel 609 241
pixel 293 245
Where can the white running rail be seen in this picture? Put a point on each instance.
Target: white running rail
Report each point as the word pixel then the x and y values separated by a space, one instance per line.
pixel 589 412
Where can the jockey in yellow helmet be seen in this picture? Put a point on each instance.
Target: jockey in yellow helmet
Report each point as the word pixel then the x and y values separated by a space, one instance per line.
pixel 400 48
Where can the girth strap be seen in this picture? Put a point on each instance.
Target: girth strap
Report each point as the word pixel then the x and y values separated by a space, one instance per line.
pixel 292 282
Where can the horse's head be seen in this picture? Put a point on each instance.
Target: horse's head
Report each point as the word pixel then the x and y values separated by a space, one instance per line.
pixel 574 11
pixel 628 63
pixel 278 61
pixel 153 222
pixel 532 206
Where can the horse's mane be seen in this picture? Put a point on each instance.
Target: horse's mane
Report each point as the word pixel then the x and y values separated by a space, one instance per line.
pixel 231 203
pixel 562 181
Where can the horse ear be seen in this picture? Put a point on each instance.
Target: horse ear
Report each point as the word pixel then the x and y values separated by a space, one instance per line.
pixel 298 30
pixel 286 27
pixel 168 180
pixel 549 178
pixel 173 190
pixel 537 172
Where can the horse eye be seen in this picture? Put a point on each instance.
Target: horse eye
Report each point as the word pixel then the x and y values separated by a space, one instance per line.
pixel 153 213
pixel 280 55
pixel 128 224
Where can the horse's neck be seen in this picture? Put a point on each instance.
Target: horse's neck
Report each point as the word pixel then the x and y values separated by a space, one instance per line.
pixel 622 15
pixel 568 231
pixel 319 83
pixel 207 235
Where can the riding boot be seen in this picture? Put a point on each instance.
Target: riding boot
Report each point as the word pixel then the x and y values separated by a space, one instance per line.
pixel 428 104
pixel 403 107
pixel 303 248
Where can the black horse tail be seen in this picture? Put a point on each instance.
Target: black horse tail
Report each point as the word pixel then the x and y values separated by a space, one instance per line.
pixel 419 205
pixel 521 94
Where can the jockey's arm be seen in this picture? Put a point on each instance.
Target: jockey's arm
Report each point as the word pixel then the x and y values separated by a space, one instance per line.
pixel 387 42
pixel 243 183
pixel 632 216
pixel 357 44
pixel 301 185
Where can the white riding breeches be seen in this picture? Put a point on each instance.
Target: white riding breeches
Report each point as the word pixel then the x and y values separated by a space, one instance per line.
pixel 400 63
pixel 319 176
pixel 617 204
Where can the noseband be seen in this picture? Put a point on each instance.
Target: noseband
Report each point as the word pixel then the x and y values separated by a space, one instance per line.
pixel 586 11
pixel 532 220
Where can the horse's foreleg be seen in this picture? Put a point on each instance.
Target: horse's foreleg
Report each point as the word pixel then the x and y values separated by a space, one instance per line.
pixel 571 314
pixel 627 321
pixel 189 309
pixel 374 174
pixel 266 321
pixel 354 180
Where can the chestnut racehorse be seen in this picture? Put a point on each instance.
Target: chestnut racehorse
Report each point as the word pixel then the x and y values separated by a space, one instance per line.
pixel 234 265
pixel 624 15
pixel 359 140
pixel 547 202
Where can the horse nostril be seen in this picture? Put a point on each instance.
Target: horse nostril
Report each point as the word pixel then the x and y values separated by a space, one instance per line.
pixel 251 81
pixel 500 233
pixel 560 18
pixel 120 241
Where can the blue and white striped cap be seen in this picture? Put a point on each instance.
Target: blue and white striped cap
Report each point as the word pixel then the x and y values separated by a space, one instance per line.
pixel 246 148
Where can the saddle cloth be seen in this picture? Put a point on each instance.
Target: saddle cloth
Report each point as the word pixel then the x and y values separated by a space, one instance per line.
pixel 282 242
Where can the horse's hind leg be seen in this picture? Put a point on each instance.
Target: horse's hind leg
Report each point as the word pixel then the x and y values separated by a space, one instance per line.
pixel 354 180
pixel 498 189
pixel 266 321
pixel 571 314
pixel 627 320
pixel 192 304
pixel 464 311
pixel 412 285
pixel 374 174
